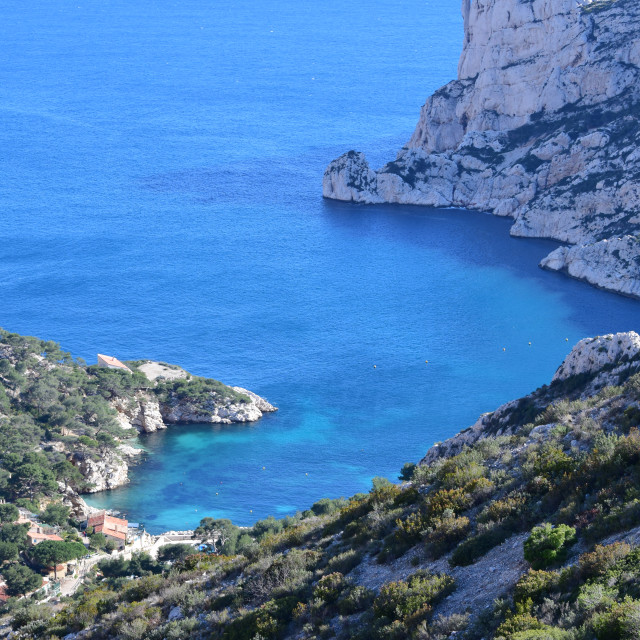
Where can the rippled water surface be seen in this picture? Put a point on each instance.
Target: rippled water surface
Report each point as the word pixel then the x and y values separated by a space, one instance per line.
pixel 161 174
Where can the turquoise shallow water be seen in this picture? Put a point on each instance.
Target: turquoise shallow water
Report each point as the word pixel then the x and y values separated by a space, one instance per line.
pixel 161 174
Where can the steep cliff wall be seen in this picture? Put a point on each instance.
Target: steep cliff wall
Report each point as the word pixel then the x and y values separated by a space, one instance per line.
pixel 541 125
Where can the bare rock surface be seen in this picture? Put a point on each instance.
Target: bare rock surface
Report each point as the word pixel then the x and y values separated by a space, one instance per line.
pixel 477 585
pixel 541 125
pixel 154 370
pixel 107 472
pixel 592 354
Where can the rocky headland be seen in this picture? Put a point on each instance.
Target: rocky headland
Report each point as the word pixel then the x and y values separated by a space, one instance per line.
pixel 593 364
pixel 541 125
pixel 68 424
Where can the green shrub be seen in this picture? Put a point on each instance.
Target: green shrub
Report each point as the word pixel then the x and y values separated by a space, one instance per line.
pixel 411 600
pixel 535 585
pixel 329 587
pixel 601 559
pixel 356 599
pixel 620 622
pixel 406 473
pixel 509 506
pixel 445 533
pixel 455 499
pixel 345 561
pixel 410 529
pixel 518 622
pixel 552 462
pixel 548 545
pixel 326 506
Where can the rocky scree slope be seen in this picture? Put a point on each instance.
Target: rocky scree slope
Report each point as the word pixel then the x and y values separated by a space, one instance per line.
pixel 447 554
pixel 541 126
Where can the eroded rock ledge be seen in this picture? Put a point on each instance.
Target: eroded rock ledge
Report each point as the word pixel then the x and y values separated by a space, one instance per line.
pixel 541 126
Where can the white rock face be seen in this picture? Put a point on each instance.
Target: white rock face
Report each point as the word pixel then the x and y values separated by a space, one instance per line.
pixel 108 472
pixel 612 263
pixel 592 354
pixel 215 412
pixel 541 125
pixel 147 414
pixel 142 414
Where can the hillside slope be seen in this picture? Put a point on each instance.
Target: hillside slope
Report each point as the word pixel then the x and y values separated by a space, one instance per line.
pixel 525 526
pixel 541 125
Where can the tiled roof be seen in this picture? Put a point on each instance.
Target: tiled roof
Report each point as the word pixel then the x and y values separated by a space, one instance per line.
pixel 112 362
pixel 108 525
pixel 35 535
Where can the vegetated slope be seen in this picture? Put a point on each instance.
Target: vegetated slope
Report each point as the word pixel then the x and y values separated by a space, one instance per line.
pixel 541 125
pixel 62 424
pixel 524 526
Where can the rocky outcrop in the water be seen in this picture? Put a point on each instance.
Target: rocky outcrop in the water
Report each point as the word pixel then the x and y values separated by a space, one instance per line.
pixel 183 400
pixel 541 125
pixel 592 364
pixel 612 263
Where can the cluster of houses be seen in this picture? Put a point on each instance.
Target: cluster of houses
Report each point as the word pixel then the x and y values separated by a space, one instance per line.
pixel 119 530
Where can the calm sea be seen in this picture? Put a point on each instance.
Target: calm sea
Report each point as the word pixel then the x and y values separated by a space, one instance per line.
pixel 161 167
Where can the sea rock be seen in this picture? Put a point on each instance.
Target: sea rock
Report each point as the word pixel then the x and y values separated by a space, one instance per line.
pixel 107 472
pixel 592 354
pixel 612 263
pixel 541 125
pixel 349 177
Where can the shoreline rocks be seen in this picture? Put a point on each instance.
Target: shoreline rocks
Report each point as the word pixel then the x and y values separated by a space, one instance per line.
pixel 147 413
pixel 540 126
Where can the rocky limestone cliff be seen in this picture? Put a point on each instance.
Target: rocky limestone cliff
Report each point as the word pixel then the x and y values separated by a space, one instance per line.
pixel 186 410
pixel 541 125
pixel 591 365
pixel 107 472
pixel 148 413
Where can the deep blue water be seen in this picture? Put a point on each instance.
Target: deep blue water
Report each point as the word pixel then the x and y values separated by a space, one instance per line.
pixel 161 167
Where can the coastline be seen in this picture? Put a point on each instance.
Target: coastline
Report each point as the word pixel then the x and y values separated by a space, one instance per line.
pixel 559 162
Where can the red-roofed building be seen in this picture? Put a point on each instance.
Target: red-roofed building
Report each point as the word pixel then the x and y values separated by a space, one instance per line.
pixel 113 528
pixel 37 534
pixel 111 363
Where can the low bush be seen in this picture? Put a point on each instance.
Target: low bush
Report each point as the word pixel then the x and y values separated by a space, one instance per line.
pixel 345 561
pixel 620 622
pixel 445 533
pixel 329 587
pixel 355 600
pixel 411 600
pixel 548 545
pixel 535 585
pixel 601 559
